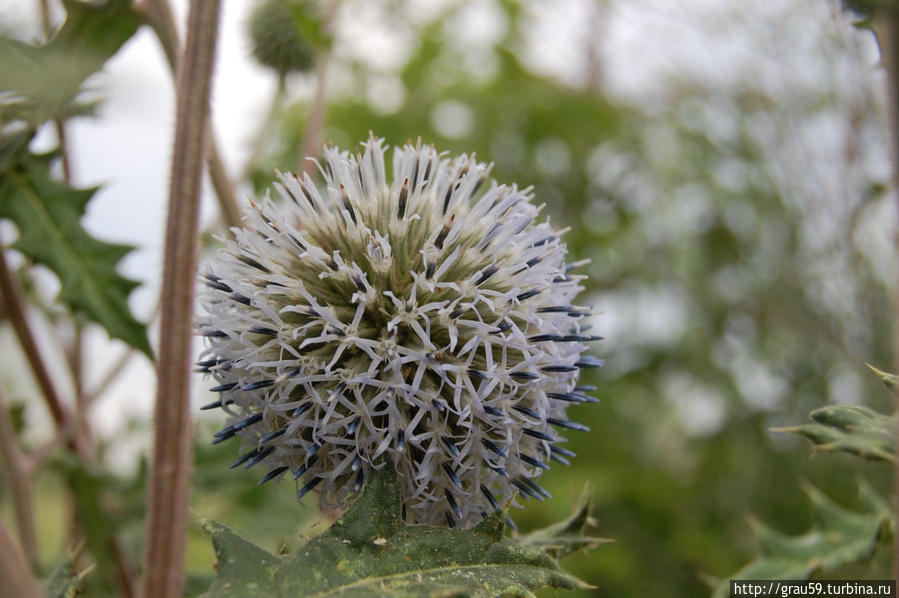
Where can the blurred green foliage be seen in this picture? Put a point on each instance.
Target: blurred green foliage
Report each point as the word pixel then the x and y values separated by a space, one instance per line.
pixel 736 288
pixel 733 228
pixel 838 537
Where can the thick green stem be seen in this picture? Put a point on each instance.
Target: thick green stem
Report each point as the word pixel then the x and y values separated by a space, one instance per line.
pixel 169 484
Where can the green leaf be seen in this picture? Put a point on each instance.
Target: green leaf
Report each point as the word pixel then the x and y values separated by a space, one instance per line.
pixel 887 378
pixel 99 512
pixel 63 581
pixel 48 215
pixel 309 23
pixel 852 429
pixel 568 536
pixel 47 78
pixel 244 569
pixel 371 552
pixel 837 538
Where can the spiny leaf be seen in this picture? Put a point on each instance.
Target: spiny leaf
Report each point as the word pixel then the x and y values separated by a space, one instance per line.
pixel 100 519
pixel 837 538
pixel 371 552
pixel 244 569
pixel 63 581
pixel 45 79
pixel 850 428
pixel 887 378
pixel 568 536
pixel 48 215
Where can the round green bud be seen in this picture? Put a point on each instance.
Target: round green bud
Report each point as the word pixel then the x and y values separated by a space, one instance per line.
pixel 276 37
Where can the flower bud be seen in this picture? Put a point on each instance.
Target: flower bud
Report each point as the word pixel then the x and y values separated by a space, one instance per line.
pixel 277 42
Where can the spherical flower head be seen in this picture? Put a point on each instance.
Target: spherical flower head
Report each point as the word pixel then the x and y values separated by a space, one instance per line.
pixel 276 39
pixel 424 323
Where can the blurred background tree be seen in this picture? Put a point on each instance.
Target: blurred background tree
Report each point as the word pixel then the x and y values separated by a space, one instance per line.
pixel 735 211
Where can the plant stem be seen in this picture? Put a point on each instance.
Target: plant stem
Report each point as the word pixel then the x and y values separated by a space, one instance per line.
pixel 271 117
pixel 14 571
pixel 316 120
pixel 76 365
pixel 60 125
pixel 108 378
pixel 117 368
pixel 159 14
pixel 15 311
pixel 315 123
pixel 890 49
pixel 224 190
pixel 169 484
pixel 17 481
pixel 67 428
pixel 74 352
pixel 59 122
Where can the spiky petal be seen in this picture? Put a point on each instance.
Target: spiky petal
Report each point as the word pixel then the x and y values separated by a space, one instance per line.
pixel 423 322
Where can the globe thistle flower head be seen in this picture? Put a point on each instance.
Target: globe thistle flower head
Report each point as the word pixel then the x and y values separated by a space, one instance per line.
pixel 276 39
pixel 424 322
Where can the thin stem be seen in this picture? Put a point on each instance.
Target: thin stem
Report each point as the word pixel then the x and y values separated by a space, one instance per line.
pixel 76 364
pixel 14 571
pixel 62 136
pixel 74 431
pixel 73 346
pixel 67 429
pixel 890 49
pixel 34 459
pixel 258 146
pixel 159 14
pixel 224 190
pixel 169 483
pixel 315 123
pixel 123 571
pixel 60 122
pixel 73 353
pixel 17 481
pixel 15 310
pixel 116 369
pixel 598 19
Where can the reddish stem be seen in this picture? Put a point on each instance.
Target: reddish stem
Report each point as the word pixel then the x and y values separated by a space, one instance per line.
pixel 169 484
